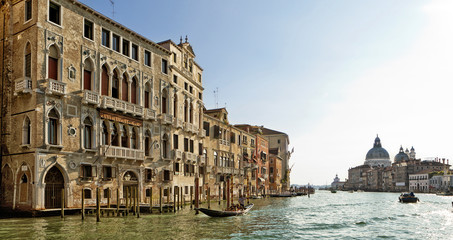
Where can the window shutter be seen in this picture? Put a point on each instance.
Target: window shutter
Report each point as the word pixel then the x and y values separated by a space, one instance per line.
pixel 86 80
pixel 232 138
pixel 81 170
pixel 53 68
pixel 28 65
pixel 134 91
pixel 113 172
pixel 125 88
pixel 146 99
pixel 216 131
pixel 105 82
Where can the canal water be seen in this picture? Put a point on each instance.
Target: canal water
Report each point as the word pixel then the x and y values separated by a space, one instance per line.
pixel 324 215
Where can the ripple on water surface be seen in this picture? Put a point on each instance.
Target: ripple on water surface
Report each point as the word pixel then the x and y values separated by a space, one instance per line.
pixel 322 216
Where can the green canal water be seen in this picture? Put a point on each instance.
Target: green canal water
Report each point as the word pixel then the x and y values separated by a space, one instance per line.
pixel 324 215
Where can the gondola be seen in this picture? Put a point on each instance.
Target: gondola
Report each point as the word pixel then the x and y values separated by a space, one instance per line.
pixel 219 213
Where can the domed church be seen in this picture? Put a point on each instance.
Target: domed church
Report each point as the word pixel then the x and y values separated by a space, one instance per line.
pixel 403 156
pixel 377 156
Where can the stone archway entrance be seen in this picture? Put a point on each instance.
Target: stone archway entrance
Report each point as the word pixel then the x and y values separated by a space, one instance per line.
pixel 130 181
pixel 54 185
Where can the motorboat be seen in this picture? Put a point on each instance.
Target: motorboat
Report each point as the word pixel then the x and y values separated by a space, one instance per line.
pixel 408 198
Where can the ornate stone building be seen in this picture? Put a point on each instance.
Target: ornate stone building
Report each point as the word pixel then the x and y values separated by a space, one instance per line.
pixel 89 104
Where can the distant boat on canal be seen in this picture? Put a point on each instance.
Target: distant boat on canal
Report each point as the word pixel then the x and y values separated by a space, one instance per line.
pixel 408 198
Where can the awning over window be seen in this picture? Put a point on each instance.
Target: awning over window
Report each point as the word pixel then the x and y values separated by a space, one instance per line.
pixel 262 179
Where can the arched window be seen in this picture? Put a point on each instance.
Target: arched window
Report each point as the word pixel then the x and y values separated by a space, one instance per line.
pixel 87 70
pixel 114 137
pixel 52 71
pixel 105 135
pixel 205 154
pixel 215 159
pixel 134 91
pixel 148 97
pixel 147 143
pixel 88 134
pixel 26 131
pixel 125 88
pixel 164 146
pixel 53 127
pixel 105 81
pixel 134 139
pixel 115 85
pixel 27 62
pixel 164 101
pixel 124 137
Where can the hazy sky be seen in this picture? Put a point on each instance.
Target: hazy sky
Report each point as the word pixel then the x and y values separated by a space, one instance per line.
pixel 331 74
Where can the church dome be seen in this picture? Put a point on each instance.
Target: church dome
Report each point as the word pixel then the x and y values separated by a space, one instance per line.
pixel 377 156
pixel 377 152
pixel 401 156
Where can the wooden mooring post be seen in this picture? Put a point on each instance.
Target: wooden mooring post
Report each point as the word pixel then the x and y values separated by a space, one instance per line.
pixel 191 198
pixel 127 201
pixel 83 204
pixel 182 197
pixel 151 200
pixel 160 199
pixel 62 203
pixel 133 197
pixel 177 197
pixel 228 192
pixel 138 202
pixel 220 193
pixel 174 200
pixel 209 197
pixel 168 199
pixel 118 202
pixel 196 195
pixel 98 206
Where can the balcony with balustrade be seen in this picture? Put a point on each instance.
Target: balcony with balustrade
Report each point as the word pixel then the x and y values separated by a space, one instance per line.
pixel 23 86
pixel 90 97
pixel 194 129
pixel 55 87
pixel 201 160
pixel 188 127
pixel 178 123
pixel 177 154
pixel 150 114
pixel 122 153
pixel 120 105
pixel 190 157
pixel 166 119
pixel 202 133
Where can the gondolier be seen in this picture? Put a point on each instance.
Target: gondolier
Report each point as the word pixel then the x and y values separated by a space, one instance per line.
pixel 242 201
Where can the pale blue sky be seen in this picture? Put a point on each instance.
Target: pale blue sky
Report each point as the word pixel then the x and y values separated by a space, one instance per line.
pixel 331 74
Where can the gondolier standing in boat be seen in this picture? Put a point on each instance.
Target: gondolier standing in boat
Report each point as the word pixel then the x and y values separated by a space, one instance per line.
pixel 242 201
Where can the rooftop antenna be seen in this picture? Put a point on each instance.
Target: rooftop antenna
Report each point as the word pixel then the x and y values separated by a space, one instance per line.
pixel 216 97
pixel 113 8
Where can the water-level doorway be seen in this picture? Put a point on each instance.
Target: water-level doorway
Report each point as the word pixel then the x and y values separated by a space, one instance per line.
pixel 54 185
